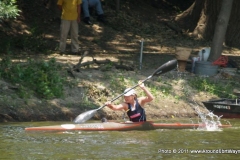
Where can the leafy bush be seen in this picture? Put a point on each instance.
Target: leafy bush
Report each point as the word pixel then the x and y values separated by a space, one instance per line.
pixel 8 9
pixel 40 76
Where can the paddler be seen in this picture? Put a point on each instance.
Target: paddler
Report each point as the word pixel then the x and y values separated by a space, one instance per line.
pixel 133 106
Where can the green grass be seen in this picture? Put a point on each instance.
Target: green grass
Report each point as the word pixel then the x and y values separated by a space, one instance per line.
pixel 221 89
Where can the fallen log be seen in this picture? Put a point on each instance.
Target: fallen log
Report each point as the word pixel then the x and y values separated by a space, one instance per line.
pixel 102 64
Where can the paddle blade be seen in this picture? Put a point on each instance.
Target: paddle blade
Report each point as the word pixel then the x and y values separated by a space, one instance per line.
pixel 170 65
pixel 83 117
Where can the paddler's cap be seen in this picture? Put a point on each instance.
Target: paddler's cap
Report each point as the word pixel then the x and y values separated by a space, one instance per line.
pixel 129 91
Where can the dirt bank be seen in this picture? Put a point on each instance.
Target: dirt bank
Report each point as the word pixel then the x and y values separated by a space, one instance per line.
pixel 93 86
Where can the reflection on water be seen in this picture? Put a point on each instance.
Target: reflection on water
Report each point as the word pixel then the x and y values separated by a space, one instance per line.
pixel 154 144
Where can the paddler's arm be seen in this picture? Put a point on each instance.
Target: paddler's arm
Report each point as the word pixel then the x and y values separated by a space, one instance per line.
pixel 148 98
pixel 116 107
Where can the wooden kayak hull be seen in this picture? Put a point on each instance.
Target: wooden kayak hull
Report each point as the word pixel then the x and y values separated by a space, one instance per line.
pixel 118 126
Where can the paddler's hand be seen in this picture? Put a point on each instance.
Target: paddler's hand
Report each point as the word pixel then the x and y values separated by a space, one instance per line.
pixel 109 104
pixel 141 84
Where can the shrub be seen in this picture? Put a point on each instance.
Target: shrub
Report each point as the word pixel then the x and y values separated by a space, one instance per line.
pixel 8 9
pixel 41 76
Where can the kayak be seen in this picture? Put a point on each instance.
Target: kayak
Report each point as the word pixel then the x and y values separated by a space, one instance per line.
pixel 119 126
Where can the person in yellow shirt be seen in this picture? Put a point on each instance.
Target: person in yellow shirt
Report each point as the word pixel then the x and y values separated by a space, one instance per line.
pixel 71 12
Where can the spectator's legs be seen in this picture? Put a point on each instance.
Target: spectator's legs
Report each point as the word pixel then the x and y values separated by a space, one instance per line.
pixel 92 3
pixel 74 36
pixel 98 6
pixel 64 29
pixel 85 8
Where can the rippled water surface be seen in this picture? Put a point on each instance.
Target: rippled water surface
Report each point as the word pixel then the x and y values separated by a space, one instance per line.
pixel 17 144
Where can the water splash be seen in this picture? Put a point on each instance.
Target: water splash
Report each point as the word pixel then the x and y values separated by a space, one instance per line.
pixel 208 121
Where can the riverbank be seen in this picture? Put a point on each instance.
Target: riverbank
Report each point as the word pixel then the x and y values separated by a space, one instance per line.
pixel 92 86
pixel 117 42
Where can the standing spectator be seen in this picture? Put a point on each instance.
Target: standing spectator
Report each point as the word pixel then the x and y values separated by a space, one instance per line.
pixel 86 4
pixel 70 18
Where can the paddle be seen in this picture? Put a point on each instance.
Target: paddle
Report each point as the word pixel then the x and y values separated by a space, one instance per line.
pixel 83 117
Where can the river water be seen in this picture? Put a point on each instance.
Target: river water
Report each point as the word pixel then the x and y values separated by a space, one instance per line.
pixel 18 144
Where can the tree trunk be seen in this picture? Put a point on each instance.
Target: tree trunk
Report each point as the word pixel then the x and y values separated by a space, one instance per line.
pixel 233 34
pixel 206 24
pixel 189 18
pixel 220 30
pixel 200 18
pixel 203 25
